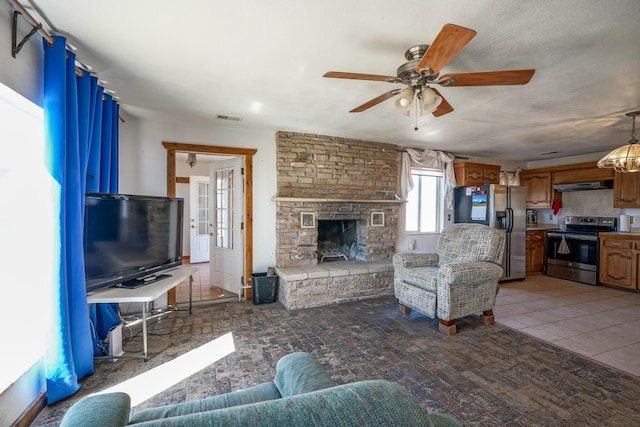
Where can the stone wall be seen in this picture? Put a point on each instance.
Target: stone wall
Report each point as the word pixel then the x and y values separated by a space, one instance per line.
pixel 335 178
pixel 319 166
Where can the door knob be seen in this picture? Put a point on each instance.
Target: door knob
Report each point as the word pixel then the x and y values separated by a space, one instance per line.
pixel 193 226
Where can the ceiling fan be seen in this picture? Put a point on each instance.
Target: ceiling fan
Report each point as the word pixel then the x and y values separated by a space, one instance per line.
pixel 423 69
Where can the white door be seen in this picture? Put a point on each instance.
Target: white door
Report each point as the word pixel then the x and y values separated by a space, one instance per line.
pixel 200 222
pixel 227 212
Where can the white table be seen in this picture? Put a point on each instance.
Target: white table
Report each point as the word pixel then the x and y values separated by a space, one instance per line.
pixel 145 294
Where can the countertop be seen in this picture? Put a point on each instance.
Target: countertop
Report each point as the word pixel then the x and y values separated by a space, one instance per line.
pixel 541 227
pixel 622 234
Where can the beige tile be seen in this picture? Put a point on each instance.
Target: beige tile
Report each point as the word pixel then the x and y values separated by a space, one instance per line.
pixel 624 358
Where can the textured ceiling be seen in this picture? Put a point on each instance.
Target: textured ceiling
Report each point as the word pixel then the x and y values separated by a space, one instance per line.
pixel 263 61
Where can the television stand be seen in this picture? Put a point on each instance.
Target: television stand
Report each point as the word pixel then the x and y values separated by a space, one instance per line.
pixel 145 295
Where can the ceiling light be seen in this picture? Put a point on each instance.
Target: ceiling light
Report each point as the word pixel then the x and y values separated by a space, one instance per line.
pixel 627 157
pixel 404 101
pixel 191 159
pixel 429 100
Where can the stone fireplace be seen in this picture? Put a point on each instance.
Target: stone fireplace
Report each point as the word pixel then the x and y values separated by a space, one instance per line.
pixel 343 184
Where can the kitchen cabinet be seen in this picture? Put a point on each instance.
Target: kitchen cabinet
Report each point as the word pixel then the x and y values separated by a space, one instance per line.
pixel 585 172
pixel 476 173
pixel 619 257
pixel 539 192
pixel 535 251
pixel 626 193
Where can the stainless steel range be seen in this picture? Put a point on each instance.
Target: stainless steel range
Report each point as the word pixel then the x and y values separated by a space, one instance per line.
pixel 573 253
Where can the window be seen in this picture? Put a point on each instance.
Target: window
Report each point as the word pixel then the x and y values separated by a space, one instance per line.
pixel 424 202
pixel 29 235
pixel 223 208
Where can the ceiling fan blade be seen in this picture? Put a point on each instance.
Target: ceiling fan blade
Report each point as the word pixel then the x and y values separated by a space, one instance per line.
pixel 447 44
pixel 375 101
pixel 357 76
pixel 488 78
pixel 443 108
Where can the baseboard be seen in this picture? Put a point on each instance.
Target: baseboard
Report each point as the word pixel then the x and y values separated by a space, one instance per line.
pixel 29 415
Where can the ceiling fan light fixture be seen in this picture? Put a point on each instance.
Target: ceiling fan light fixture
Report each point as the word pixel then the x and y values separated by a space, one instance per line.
pixel 626 158
pixel 429 100
pixel 404 101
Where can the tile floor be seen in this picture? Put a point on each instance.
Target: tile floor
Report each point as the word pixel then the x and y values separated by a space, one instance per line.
pixel 597 322
pixel 201 289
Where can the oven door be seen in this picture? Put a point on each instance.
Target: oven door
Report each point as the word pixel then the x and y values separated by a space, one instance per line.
pixel 577 259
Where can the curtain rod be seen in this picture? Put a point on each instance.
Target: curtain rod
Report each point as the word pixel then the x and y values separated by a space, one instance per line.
pixel 35 24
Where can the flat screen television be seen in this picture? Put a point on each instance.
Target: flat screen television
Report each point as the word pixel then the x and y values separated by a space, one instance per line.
pixel 129 239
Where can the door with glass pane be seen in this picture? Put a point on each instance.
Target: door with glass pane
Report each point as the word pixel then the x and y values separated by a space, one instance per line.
pixel 200 224
pixel 227 211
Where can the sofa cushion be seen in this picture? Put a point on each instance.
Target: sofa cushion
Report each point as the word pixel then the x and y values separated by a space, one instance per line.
pixel 109 409
pixel 259 393
pixel 470 242
pixel 300 372
pixel 365 403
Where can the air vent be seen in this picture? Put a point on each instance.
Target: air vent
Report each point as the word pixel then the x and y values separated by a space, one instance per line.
pixel 229 118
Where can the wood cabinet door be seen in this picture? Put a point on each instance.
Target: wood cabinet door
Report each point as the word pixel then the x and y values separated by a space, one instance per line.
pixel 625 190
pixel 472 176
pixel 617 264
pixel 491 175
pixel 539 189
pixel 534 258
pixel 537 253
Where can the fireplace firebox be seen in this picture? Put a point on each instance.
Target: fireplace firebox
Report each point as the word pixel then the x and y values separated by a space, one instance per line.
pixel 338 240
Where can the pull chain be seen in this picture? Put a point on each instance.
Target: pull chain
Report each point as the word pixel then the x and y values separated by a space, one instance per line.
pixel 416 114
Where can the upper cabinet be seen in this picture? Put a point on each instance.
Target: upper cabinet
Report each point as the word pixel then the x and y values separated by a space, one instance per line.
pixel 476 173
pixel 539 192
pixel 626 191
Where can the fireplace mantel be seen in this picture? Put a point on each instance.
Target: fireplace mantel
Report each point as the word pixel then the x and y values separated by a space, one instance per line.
pixel 326 200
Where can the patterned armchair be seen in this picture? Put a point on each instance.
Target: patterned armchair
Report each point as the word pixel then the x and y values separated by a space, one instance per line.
pixel 459 280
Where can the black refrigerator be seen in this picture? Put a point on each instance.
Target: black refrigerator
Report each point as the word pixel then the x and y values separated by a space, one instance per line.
pixel 502 207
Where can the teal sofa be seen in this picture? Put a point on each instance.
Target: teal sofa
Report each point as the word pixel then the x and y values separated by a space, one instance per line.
pixel 301 394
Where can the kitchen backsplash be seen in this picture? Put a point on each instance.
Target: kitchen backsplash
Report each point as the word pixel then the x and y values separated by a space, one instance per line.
pixel 588 203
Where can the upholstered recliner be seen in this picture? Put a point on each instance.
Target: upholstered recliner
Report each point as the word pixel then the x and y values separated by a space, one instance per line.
pixel 459 280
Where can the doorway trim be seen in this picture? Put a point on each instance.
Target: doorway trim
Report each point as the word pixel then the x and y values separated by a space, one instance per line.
pixel 248 153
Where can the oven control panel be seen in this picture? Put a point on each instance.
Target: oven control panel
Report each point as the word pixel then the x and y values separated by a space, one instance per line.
pixel 591 221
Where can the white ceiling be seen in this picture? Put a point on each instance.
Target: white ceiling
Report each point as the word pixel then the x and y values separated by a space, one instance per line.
pixel 263 61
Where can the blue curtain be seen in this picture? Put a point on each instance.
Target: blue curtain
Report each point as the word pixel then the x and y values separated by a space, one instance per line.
pixel 74 119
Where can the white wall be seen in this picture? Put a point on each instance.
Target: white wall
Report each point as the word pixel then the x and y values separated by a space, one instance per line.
pixel 143 169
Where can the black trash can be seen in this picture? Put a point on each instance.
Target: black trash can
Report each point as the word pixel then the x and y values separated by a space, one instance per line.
pixel 263 288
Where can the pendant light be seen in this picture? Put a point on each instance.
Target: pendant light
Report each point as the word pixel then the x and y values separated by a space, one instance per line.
pixel 627 157
pixel 191 159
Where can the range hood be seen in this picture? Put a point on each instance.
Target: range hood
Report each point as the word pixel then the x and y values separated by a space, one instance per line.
pixel 581 186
